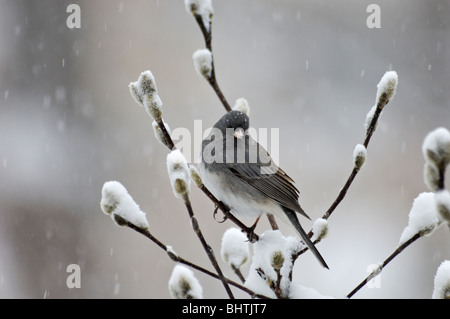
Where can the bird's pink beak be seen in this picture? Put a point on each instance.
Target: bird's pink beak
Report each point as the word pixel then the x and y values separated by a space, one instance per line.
pixel 238 133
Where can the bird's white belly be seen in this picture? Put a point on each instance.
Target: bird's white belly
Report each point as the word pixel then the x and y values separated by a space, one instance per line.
pixel 241 205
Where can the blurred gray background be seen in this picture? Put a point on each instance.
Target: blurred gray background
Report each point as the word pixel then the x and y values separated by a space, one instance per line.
pixel 310 68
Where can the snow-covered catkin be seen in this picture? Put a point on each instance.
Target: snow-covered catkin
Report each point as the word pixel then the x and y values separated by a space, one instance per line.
pixel 159 134
pixel 184 285
pixel 442 198
pixel 195 176
pixel 277 260
pixel 359 156
pixel 442 281
pixel 241 105
pixel 436 151
pixel 423 217
pixel 145 93
pixel 179 173
pixel 432 177
pixel 120 205
pixel 320 229
pixel 386 88
pixel 234 250
pixel 203 63
pixel 202 8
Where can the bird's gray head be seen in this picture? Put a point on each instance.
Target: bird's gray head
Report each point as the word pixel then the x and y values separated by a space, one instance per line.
pixel 233 120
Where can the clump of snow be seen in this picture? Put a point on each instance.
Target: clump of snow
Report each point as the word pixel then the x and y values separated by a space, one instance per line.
pixel 241 105
pixel 359 156
pixel 120 205
pixel 184 285
pixel 386 88
pixel 179 173
pixel 423 217
pixel 203 62
pixel 271 248
pixel 235 250
pixel 442 281
pixel 443 204
pixel 203 8
pixel 159 134
pixel 320 229
pixel 145 93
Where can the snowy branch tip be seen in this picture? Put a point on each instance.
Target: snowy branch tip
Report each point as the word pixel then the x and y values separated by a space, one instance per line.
pixel 423 217
pixel 386 88
pixel 179 173
pixel 120 205
pixel 145 93
pixel 201 8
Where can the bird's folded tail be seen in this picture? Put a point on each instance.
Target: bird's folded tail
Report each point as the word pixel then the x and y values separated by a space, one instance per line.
pixel 294 220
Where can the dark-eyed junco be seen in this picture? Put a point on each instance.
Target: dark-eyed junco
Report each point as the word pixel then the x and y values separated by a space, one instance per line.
pixel 240 173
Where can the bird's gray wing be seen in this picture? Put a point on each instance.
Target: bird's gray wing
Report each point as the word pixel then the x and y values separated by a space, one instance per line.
pixel 261 173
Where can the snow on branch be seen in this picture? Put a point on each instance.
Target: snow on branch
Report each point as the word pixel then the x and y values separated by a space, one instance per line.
pixel 201 8
pixel 436 151
pixel 271 266
pixel 159 134
pixel 235 250
pixel 145 93
pixel 120 205
pixel 179 173
pixel 442 198
pixel 423 217
pixel 386 88
pixel 359 156
pixel 203 63
pixel 320 229
pixel 241 105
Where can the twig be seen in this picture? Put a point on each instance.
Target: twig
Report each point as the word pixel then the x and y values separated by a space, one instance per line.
pixel 207 35
pixel 238 273
pixel 205 245
pixel 343 192
pixel 181 260
pixel 355 171
pixel 272 221
pixel 389 259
